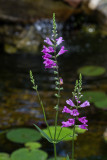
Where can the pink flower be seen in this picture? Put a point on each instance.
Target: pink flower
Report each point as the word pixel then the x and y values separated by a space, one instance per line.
pixel 70 102
pixel 49 63
pixel 83 126
pixel 83 120
pixel 66 110
pixel 66 124
pixel 72 121
pixel 74 112
pixel 59 40
pixel 47 55
pixel 47 49
pixel 48 41
pixel 86 103
pixel 62 51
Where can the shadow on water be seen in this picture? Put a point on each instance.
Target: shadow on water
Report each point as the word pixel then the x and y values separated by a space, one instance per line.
pixel 19 105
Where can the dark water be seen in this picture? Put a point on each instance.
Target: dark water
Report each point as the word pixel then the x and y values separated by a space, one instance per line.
pixel 19 105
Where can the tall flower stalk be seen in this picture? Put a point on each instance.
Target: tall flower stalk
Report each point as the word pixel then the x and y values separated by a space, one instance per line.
pixel 50 56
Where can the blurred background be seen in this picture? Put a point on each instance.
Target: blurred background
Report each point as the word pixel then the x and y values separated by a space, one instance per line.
pixel 24 24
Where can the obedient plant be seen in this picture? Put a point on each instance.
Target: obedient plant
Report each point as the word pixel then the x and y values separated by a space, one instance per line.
pixel 50 56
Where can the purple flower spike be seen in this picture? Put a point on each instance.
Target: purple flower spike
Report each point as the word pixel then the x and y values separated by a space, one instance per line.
pixel 48 41
pixel 46 55
pixel 85 104
pixel 83 120
pixel 62 51
pixel 49 63
pixel 70 102
pixel 66 110
pixel 72 121
pixel 74 112
pixel 66 124
pixel 51 49
pixel 59 40
pixel 83 126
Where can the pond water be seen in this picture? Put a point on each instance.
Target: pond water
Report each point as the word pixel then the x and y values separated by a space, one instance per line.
pixel 19 104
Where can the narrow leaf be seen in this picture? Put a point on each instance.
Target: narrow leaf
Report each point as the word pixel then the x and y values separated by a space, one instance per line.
pixel 67 157
pixel 43 134
pixel 64 137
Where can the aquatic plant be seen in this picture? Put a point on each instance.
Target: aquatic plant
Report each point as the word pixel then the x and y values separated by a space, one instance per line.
pixel 55 134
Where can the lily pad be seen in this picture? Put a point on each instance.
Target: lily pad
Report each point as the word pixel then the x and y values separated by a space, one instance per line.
pixel 79 130
pixel 64 132
pixel 4 156
pixel 101 104
pixel 93 96
pixel 91 70
pixel 23 135
pixel 32 145
pixel 58 158
pixel 25 154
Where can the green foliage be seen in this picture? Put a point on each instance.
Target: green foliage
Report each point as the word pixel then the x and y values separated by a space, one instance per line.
pixel 58 158
pixel 32 145
pixel 67 158
pixel 79 130
pixel 25 154
pixel 66 132
pixel 93 96
pixel 45 135
pixel 4 156
pixel 101 104
pixel 23 135
pixel 91 70
pixel 32 81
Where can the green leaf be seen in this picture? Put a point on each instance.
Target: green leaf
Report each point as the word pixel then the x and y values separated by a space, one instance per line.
pixel 4 156
pixel 67 158
pixel 44 134
pixel 101 104
pixel 79 130
pixel 64 132
pixel 33 145
pixel 25 154
pixel 55 72
pixel 23 135
pixel 57 95
pixel 58 158
pixel 93 96
pixel 91 70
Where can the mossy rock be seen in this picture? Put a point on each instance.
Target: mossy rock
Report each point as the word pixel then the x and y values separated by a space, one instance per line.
pixel 33 145
pixel 23 135
pixel 101 104
pixel 64 132
pixel 25 154
pixel 10 49
pixel 93 96
pixel 91 70
pixel 4 156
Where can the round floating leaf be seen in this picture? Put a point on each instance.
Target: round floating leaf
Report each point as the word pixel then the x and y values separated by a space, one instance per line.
pixel 4 156
pixel 101 104
pixel 79 130
pixel 58 158
pixel 25 154
pixel 93 96
pixel 64 132
pixel 23 135
pixel 33 145
pixel 91 70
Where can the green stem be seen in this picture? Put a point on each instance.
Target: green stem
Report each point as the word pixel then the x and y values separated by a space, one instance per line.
pixel 73 143
pixel 41 103
pixel 55 155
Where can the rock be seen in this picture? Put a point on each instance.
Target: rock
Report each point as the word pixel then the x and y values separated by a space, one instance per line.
pixel 28 11
pixel 73 3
